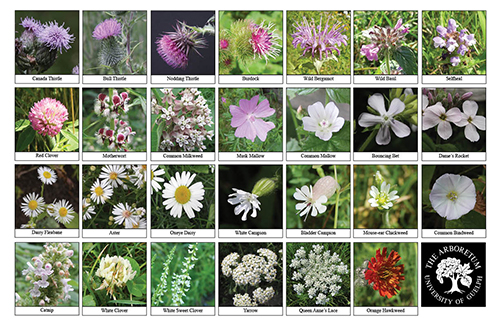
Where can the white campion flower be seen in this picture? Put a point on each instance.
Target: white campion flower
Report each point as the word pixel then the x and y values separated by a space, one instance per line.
pixel 382 198
pixel 385 119
pixel 453 196
pixel 437 115
pixel 471 121
pixel 323 121
pixel 244 201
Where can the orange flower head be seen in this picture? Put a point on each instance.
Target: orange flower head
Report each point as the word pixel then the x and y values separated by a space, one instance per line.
pixel 385 274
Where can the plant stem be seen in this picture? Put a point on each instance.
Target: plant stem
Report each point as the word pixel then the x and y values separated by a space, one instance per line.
pixel 294 118
pixel 337 200
pixel 387 223
pixel 368 141
pixel 388 61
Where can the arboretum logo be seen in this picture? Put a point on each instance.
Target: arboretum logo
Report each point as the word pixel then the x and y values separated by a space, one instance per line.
pixel 453 274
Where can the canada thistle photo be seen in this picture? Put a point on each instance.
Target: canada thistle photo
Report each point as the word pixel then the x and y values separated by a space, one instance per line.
pixel 47 42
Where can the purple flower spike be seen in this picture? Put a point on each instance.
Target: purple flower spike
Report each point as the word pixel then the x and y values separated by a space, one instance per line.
pixel 452 26
pixel 370 51
pixel 454 60
pixel 441 31
pixel 108 28
pixel 55 37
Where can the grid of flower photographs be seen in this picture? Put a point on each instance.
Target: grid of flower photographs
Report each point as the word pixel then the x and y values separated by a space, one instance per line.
pixel 258 196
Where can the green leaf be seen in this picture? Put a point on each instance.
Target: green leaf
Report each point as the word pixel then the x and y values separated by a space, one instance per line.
pixel 74 222
pixel 88 301
pixel 427 143
pixel 407 59
pixel 127 302
pixel 446 148
pixel 22 124
pixel 25 139
pixel 137 287
pixel 472 220
pixel 134 264
pixel 293 145
pixel 342 95
pixel 70 136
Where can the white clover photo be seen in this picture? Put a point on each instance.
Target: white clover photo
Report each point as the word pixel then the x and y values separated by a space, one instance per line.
pixel 454 196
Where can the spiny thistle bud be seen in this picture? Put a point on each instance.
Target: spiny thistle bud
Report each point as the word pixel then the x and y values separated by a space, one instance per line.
pixel 264 187
pixel 112 52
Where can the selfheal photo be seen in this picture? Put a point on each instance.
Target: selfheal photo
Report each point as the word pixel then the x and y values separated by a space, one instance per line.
pixel 454 42
pixel 250 120
pixel 318 120
pixel 386 120
pixel 114 42
pixel 183 43
pixel 385 196
pixel 454 196
pixel 47 42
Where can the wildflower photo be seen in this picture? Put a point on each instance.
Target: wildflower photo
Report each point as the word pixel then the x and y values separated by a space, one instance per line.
pixel 454 120
pixel 47 274
pixel 47 196
pixel 114 274
pixel 114 196
pixel 250 42
pixel 454 196
pixel 250 196
pixel 318 196
pixel 454 42
pixel 386 274
pixel 318 42
pixel 114 120
pixel 250 120
pixel 251 274
pixel 318 120
pixel 47 42
pixel 385 42
pixel 183 43
pixel 317 274
pixel 47 119
pixel 183 274
pixel 182 196
pixel 114 42
pixel 386 120
pixel 182 120
pixel 385 196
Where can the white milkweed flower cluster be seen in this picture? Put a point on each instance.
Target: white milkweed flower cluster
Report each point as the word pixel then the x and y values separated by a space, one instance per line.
pixel 251 270
pixel 115 271
pixel 317 273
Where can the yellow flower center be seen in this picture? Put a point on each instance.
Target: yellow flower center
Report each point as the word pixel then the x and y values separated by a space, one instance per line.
pixel 63 212
pixel 182 195
pixel 126 213
pixel 452 195
pixel 47 175
pixel 113 175
pixel 98 191
pixel 152 174
pixel 33 204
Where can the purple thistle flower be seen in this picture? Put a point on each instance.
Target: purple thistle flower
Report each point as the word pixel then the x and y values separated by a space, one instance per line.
pixel 318 40
pixel 108 28
pixel 76 70
pixel 264 41
pixel 170 53
pixel 29 23
pixel 55 37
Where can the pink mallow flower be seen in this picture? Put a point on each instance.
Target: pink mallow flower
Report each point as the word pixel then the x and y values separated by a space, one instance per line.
pixel 47 116
pixel 247 118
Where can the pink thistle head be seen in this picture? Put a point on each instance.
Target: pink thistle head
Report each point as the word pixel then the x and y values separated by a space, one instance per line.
pixel 47 116
pixel 223 44
pixel 264 41
pixel 170 53
pixel 108 28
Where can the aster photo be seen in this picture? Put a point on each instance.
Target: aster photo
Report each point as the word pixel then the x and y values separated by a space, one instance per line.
pixel 454 42
pixel 251 274
pixel 182 196
pixel 250 196
pixel 385 196
pixel 250 120
pixel 183 43
pixel 47 42
pixel 183 120
pixel 47 196
pixel 47 274
pixel 386 120
pixel 454 120
pixel 114 42
pixel 385 42
pixel 114 120
pixel 318 274
pixel 454 196
pixel 318 120
pixel 250 42
pixel 114 196
pixel 114 274
pixel 318 42
pixel 318 196
pixel 385 274
pixel 46 119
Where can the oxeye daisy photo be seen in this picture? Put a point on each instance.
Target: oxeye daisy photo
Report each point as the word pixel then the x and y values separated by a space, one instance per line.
pixel 182 197
pixel 47 196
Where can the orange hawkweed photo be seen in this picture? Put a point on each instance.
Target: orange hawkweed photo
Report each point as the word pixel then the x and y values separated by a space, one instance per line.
pixel 385 274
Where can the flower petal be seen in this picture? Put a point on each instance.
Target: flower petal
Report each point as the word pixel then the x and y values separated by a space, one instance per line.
pixel 261 128
pixel 471 133
pixel 470 108
pixel 239 116
pixel 376 101
pixel 263 109
pixel 444 130
pixel 479 122
pixel 396 107
pixel 383 135
pixel 367 120
pixel 454 115
pixel 246 130
pixel 400 129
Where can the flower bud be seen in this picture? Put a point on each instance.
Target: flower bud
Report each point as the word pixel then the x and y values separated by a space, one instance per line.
pixel 264 187
pixel 379 179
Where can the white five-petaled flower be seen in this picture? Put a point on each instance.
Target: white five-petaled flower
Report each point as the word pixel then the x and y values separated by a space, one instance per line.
pixel 385 119
pixel 308 202
pixel 438 115
pixel 323 121
pixel 245 202
pixel 155 178
pixel 180 194
pixel 124 213
pixel 32 205
pixel 453 196
pixel 101 191
pixel 383 198
pixel 47 175
pixel 471 121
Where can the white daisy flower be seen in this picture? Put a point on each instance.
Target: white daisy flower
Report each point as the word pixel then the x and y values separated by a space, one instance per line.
pixel 113 174
pixel 244 201
pixel 139 176
pixel 62 211
pixel 124 213
pixel 453 196
pixel 308 203
pixel 383 198
pixel 155 178
pixel 100 192
pixel 33 205
pixel 180 194
pixel 47 175
pixel 140 224
pixel 87 209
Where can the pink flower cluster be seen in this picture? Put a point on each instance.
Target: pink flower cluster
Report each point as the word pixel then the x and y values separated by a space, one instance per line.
pixel 116 138
pixel 111 109
pixel 382 39
pixel 48 116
